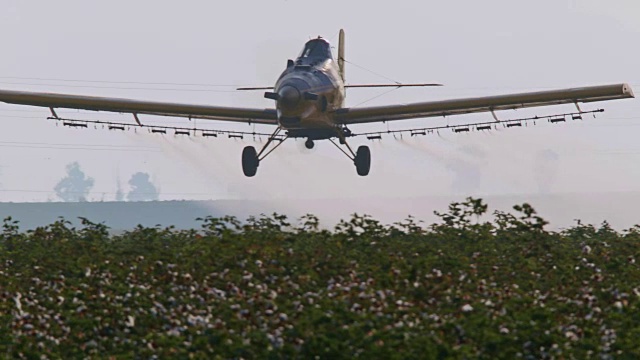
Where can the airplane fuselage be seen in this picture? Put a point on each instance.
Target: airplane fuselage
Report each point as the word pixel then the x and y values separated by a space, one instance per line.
pixel 308 92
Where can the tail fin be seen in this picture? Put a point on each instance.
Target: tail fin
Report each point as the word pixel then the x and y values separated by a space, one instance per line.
pixel 341 55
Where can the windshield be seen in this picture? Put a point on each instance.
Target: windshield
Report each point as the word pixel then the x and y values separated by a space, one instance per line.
pixel 317 48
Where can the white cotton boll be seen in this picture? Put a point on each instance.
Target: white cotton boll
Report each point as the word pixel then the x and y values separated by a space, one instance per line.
pixel 618 305
pixel 571 336
pixel 131 321
pixel 16 299
pixel 467 308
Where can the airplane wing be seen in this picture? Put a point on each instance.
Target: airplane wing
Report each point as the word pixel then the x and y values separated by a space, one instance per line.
pixel 482 104
pixel 53 101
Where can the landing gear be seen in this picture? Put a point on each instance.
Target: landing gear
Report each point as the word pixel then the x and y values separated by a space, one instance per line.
pixel 250 161
pixel 363 160
pixel 309 144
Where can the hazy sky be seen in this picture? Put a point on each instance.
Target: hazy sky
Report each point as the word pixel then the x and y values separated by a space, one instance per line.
pixel 473 47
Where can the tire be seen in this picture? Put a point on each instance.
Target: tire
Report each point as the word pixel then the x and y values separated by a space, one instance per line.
pixel 250 161
pixel 363 160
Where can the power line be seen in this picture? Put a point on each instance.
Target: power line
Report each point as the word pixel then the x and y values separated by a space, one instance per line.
pixel 236 85
pixel 90 147
pixel 78 148
pixel 119 82
pixel 119 88
pixel 87 145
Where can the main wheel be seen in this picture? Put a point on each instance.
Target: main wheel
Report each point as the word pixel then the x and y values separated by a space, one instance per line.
pixel 363 160
pixel 250 161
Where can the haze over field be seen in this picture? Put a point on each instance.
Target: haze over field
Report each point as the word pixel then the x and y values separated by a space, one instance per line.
pixel 150 50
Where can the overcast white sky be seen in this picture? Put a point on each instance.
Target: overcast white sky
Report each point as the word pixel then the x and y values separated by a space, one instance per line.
pixel 473 47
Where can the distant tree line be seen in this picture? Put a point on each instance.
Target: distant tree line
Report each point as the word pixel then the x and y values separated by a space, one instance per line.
pixel 76 186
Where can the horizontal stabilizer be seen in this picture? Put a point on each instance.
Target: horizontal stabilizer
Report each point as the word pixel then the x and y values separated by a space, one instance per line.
pixel 255 88
pixel 351 86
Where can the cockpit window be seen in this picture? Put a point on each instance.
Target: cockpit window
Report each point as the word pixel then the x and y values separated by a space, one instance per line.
pixel 317 48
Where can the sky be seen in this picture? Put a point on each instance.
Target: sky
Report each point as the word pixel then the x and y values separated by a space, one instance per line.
pixel 161 51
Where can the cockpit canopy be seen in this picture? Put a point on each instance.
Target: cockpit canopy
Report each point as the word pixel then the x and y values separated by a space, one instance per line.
pixel 316 49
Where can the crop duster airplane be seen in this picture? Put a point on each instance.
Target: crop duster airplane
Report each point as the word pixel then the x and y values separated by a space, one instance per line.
pixel 309 101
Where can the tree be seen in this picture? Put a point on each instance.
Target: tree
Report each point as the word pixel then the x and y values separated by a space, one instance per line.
pixel 75 186
pixel 142 189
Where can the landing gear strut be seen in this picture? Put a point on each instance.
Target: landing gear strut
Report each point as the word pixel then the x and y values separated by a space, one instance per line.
pixel 251 159
pixel 361 159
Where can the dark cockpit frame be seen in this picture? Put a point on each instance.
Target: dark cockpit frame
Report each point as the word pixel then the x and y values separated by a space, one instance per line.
pixel 316 49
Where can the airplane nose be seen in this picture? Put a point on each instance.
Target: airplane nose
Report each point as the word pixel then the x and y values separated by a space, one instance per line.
pixel 289 97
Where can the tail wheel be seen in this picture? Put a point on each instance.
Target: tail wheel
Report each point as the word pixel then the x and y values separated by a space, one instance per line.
pixel 250 161
pixel 363 160
pixel 309 144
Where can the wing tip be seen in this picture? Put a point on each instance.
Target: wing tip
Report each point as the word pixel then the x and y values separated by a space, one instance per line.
pixel 627 90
